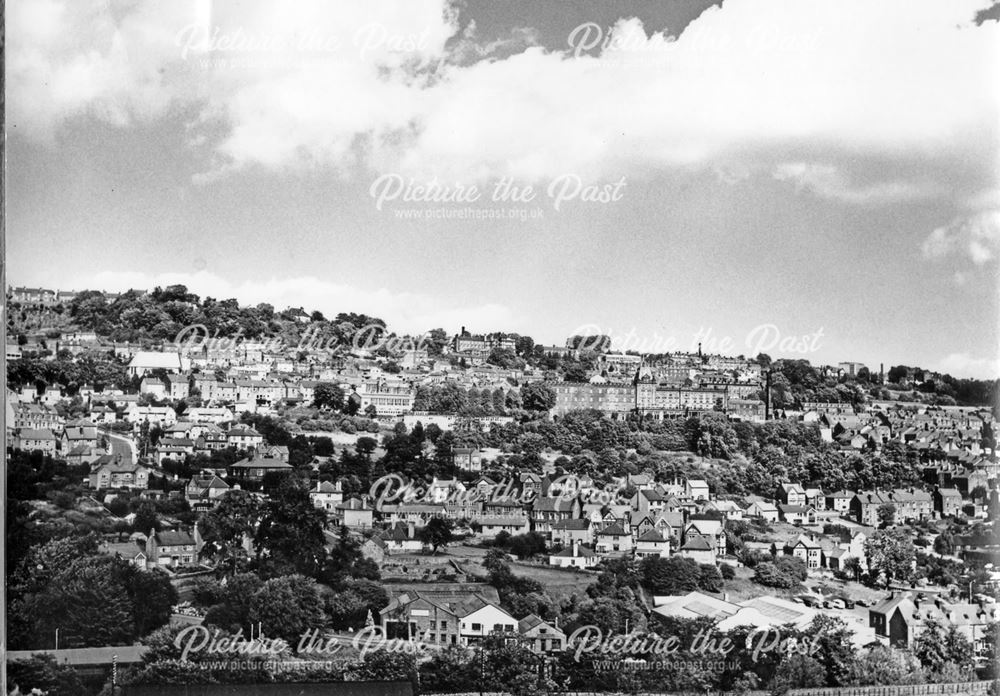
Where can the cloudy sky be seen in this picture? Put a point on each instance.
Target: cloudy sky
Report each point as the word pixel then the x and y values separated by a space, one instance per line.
pixel 820 168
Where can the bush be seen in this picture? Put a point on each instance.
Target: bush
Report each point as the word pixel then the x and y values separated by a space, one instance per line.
pixel 728 572
pixel 783 572
pixel 709 578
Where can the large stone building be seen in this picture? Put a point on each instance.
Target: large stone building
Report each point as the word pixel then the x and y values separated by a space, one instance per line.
pixel 390 399
pixel 644 395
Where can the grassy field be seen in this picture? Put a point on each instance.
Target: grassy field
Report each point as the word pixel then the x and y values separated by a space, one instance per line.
pixel 559 583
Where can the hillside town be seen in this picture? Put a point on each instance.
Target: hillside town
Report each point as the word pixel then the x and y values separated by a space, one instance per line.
pixel 479 492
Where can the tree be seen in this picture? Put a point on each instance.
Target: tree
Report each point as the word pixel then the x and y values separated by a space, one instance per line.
pixel 890 554
pixel 450 671
pixel 328 395
pixel 153 597
pixel 943 650
pixel 41 672
pixel 797 671
pixel 852 567
pixel 834 648
pixel 784 571
pixel 537 396
pixel 385 665
pixel 224 528
pixel 881 665
pixel 287 607
pixel 670 576
pixel 944 544
pixel 709 578
pixel 92 599
pixel 886 515
pixel 437 533
pixel 232 613
pixel 291 529
pixel 526 545
pixel 146 518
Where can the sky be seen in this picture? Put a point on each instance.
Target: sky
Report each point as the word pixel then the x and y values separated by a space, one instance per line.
pixel 808 179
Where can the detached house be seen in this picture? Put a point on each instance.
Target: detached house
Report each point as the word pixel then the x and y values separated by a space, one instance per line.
pixel 82 434
pixel 42 439
pixel 613 539
pixel 353 512
pixel 540 636
pixel 327 495
pixel 566 532
pixel 807 549
pixel 575 556
pixel 173 448
pixel 839 502
pixel 648 500
pixel 546 511
pixel 244 438
pixel 698 548
pixel 791 494
pixel 205 491
pixel 255 468
pixel 171 548
pixel 763 509
pixel 797 514
pixel 696 489
pixel 652 543
pixel 114 473
pixel 402 538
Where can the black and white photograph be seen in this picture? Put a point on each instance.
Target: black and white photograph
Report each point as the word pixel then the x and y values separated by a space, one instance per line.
pixel 501 347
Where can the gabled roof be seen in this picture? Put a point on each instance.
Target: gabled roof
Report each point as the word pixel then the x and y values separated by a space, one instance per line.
pixel 574 525
pixel 651 536
pixel 36 434
pixel 697 543
pixel 260 463
pixel 552 504
pixel 614 529
pixel 581 552
pixel 326 487
pixel 803 540
pixel 154 360
pixel 174 538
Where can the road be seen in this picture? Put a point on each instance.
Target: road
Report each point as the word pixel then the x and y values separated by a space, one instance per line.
pixel 122 445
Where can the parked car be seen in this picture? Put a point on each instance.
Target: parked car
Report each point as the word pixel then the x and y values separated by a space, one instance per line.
pixel 863 603
pixel 848 603
pixel 836 603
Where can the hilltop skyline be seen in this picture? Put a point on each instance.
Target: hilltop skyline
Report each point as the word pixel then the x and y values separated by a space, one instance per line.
pixel 779 165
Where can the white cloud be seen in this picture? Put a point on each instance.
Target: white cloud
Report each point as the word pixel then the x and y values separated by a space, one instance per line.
pixel 825 80
pixel 403 312
pixel 829 181
pixel 976 236
pixel 967 366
